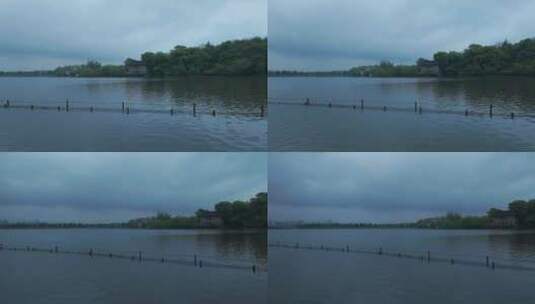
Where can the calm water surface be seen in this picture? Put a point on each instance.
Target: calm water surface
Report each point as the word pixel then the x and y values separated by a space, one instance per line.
pixel 299 128
pixel 236 100
pixel 29 277
pixel 306 276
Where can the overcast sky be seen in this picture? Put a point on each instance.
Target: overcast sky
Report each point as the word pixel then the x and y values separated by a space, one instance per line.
pixel 42 34
pixel 324 34
pixel 105 187
pixel 394 187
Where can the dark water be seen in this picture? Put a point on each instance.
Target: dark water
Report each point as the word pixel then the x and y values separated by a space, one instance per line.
pixel 308 276
pixel 31 277
pixel 302 128
pixel 236 127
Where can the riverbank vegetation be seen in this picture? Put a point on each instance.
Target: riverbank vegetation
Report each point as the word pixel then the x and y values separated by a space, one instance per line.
pixel 231 58
pixel 251 214
pixel 520 215
pixel 505 58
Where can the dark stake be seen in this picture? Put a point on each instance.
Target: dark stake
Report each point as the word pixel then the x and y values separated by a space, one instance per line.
pixel 163 260
pixel 67 105
pixel 354 107
pixel 172 112
pixel 347 248
pixel 59 108
pixel 262 111
pixel 213 113
pixel 31 107
pixel 384 108
pixel 465 112
pixel 200 263
pixel 512 115
pixel 380 251
pixel 127 110
pixel 452 261
pixel 428 256
pixel 122 106
pixel 330 105
pixel 487 261
pixel 194 109
pixel 493 266
pixel 91 109
pixel 307 102
pixel 7 103
pixel 415 106
pixel 491 108
pixel 420 110
pixel 195 260
pixel 254 268
pixel 91 252
pixel 56 249
pixel 362 104
pixel 111 255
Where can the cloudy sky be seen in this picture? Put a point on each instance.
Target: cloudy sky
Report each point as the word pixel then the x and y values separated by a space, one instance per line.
pixel 41 34
pixel 324 34
pixel 104 187
pixel 394 187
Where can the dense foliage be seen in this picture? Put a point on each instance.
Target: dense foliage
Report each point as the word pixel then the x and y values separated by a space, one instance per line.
pixel 500 59
pixel 236 215
pixel 238 57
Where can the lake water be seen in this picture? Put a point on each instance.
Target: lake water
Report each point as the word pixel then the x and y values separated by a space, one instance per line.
pixel 319 276
pixel 36 277
pixel 300 128
pixel 238 125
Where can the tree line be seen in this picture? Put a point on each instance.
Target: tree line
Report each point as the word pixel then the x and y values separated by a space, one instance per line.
pixel 233 215
pixel 505 58
pixel 236 57
pixel 520 214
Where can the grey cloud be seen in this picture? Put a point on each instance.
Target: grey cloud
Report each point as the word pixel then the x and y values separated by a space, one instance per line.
pixel 38 34
pixel 391 187
pixel 116 186
pixel 323 35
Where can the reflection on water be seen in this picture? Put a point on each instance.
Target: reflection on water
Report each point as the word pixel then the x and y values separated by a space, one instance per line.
pixel 236 100
pixel 300 128
pixel 308 276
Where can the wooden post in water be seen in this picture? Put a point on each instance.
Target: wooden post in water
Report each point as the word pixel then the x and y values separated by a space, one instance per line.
pixel 466 112
pixel 200 263
pixel 67 105
pixel 7 104
pixel 307 102
pixel 127 110
pixel 512 115
pixel 172 111
pixel 452 261
pixel 213 113
pixel 91 109
pixel 59 108
pixel 262 111
pixel 330 105
pixel 194 109
pixel 491 108
pixel 384 108
pixel 416 106
pixel 122 106
pixel 420 110
pixel 428 256
pixel 56 249
pixel 380 251
pixel 254 268
pixel 487 261
pixel 362 104
pixel 195 260
pixel 31 107
pixel 347 248
pixel 91 252
pixel 163 260
pixel 493 266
